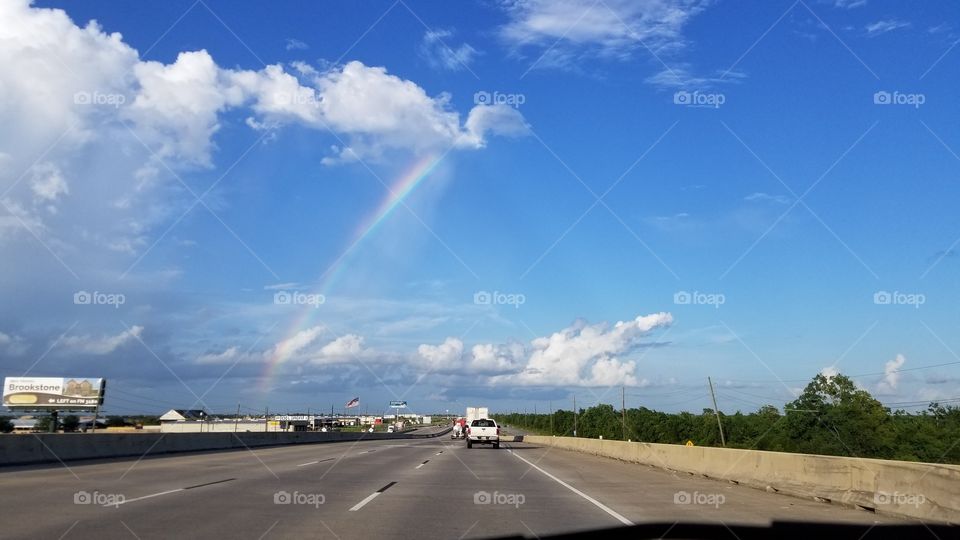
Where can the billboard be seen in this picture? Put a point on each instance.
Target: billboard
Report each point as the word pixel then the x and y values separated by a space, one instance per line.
pixel 398 404
pixel 53 393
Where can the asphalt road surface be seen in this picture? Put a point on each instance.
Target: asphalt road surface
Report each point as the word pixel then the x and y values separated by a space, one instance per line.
pixel 422 488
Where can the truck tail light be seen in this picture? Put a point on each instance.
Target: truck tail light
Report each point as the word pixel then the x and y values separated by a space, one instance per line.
pixel 468 431
pixel 498 431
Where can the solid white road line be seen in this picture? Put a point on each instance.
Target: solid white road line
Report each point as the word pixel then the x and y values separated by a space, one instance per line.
pixel 597 503
pixel 311 463
pixel 361 504
pixel 125 501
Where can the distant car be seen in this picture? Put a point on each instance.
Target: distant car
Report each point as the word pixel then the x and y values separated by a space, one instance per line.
pixel 483 431
pixel 390 429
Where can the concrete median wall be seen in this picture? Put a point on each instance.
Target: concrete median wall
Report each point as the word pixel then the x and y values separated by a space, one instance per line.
pixel 920 490
pixel 54 447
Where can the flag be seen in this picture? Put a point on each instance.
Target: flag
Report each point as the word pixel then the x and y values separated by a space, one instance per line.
pixel 352 403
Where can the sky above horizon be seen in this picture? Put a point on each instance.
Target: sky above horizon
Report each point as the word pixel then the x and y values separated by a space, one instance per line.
pixel 504 204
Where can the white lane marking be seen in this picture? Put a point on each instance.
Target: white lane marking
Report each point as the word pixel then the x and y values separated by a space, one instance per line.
pixel 311 463
pixel 125 501
pixel 361 504
pixel 597 503
pixel 420 465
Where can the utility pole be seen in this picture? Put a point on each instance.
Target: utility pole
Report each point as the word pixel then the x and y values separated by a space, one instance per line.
pixel 236 421
pixel 266 419
pixel 574 415
pixel 716 412
pixel 551 417
pixel 623 412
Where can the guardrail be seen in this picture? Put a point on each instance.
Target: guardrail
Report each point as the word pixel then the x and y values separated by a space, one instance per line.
pixel 928 491
pixel 57 447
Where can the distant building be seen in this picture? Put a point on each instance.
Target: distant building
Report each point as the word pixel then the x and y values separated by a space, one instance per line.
pixel 86 422
pixel 180 415
pixel 24 424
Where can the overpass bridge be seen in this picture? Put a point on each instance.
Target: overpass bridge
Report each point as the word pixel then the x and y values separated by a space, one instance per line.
pixel 393 488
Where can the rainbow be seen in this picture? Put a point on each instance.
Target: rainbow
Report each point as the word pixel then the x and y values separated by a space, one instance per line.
pixel 398 191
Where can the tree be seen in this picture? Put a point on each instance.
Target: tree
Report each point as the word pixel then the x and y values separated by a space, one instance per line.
pixel 70 423
pixel 6 426
pixel 832 416
pixel 43 424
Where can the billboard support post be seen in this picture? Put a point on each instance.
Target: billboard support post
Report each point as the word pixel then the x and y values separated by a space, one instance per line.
pixel 96 413
pixel 52 428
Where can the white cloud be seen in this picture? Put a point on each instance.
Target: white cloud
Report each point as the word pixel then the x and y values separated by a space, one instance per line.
pixel 289 347
pixel 891 375
pixel 563 357
pixel 850 4
pixel 350 345
pixel 282 286
pixel 441 358
pixel 13 345
pixel 47 182
pixel 884 26
pixel 566 31
pixel 494 359
pixel 85 100
pixel 681 76
pixel 228 355
pixel 437 51
pixel 830 372
pixel 579 355
pixel 294 44
pixel 177 106
pixel 101 345
pixel 377 112
pixel 766 197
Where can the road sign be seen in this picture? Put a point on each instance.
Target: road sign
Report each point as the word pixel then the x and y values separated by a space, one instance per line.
pixel 398 404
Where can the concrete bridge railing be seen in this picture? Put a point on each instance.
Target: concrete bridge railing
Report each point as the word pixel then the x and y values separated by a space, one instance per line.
pixel 920 490
pixel 54 447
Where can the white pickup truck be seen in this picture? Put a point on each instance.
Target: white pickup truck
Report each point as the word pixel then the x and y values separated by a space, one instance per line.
pixel 483 431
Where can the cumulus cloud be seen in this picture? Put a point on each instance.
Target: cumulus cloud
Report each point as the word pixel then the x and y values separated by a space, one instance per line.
pixel 289 347
pixel 585 354
pixel 891 375
pixel 850 4
pixel 101 345
pixel 114 129
pixel 566 31
pixel 579 355
pixel 350 345
pixel 444 357
pixel 377 111
pixel 485 359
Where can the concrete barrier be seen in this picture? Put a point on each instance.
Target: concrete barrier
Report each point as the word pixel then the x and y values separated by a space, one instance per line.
pixel 927 491
pixel 54 447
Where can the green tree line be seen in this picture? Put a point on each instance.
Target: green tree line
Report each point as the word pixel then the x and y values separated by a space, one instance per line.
pixel 832 417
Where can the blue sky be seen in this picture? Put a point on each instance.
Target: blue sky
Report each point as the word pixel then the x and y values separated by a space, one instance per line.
pixel 572 174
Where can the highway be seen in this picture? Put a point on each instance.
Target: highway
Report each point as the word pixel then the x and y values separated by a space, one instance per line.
pixel 423 488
